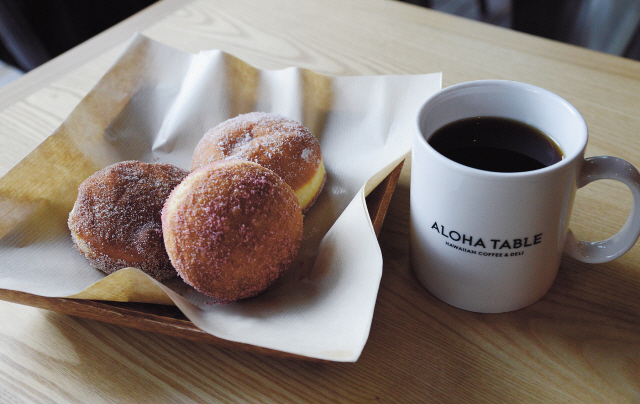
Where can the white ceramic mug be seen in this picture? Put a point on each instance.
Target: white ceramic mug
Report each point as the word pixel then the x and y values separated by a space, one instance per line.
pixel 490 241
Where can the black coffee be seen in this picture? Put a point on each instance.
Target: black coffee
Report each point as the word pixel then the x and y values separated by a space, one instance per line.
pixel 496 144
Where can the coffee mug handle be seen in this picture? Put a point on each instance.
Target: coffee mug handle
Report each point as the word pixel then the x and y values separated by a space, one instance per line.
pixel 612 168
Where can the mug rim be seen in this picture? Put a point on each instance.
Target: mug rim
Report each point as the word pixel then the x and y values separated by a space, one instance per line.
pixel 567 160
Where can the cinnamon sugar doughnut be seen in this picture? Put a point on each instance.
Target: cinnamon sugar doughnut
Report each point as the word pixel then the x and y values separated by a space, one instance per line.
pixel 115 222
pixel 280 144
pixel 231 229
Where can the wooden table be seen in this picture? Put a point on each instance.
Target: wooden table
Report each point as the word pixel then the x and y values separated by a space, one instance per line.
pixel 580 343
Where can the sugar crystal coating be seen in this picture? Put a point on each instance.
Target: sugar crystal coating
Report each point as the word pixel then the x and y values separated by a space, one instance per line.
pixel 115 222
pixel 231 229
pixel 280 144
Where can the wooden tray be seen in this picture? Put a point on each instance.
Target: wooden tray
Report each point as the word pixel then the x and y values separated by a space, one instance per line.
pixel 169 320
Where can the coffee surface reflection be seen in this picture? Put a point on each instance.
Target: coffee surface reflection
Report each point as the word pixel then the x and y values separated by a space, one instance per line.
pixel 496 144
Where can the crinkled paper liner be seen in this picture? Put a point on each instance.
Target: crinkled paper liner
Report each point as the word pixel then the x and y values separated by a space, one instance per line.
pixel 154 104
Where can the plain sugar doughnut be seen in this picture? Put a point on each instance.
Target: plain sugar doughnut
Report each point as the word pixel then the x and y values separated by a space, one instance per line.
pixel 280 144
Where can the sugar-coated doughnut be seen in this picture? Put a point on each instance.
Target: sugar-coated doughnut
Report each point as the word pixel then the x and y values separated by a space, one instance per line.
pixel 231 228
pixel 280 144
pixel 116 219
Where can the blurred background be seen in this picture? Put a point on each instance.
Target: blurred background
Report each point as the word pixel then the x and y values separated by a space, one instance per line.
pixel 610 26
pixel 34 31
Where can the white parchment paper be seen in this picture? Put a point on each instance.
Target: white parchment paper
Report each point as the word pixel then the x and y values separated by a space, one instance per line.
pixel 154 105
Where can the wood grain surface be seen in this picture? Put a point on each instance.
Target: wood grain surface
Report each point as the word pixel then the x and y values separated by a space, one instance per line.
pixel 579 344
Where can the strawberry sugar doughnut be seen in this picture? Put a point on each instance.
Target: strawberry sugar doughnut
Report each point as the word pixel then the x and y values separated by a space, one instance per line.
pixel 115 222
pixel 280 144
pixel 232 228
